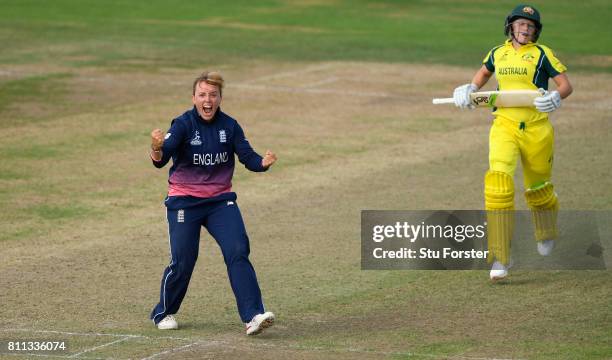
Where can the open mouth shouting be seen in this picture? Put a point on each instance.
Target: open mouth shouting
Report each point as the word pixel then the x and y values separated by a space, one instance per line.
pixel 207 99
pixel 207 111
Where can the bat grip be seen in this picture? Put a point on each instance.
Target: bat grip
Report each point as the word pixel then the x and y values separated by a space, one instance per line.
pixel 443 101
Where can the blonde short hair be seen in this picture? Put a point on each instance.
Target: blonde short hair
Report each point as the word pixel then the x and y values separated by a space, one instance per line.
pixel 211 78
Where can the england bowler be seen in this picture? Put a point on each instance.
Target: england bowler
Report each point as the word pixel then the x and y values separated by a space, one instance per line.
pixel 202 143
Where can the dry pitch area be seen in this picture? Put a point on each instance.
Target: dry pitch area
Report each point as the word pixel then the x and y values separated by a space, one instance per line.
pixel 84 236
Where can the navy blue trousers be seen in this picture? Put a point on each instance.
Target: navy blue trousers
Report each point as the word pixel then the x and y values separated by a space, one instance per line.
pixel 224 222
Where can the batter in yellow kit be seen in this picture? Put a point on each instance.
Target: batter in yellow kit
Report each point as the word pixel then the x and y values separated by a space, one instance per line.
pixel 520 63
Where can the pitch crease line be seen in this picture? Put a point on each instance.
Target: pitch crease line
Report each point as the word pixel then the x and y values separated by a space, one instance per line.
pixel 100 346
pixel 239 346
pixel 177 349
pixel 95 334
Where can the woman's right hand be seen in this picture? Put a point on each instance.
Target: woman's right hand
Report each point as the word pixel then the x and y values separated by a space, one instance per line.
pixel 157 139
pixel 461 95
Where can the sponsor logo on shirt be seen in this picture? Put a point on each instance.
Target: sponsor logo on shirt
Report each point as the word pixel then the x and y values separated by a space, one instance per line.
pixel 222 137
pixel 167 136
pixel 196 139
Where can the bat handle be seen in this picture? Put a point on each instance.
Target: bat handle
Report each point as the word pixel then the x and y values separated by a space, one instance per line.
pixel 443 101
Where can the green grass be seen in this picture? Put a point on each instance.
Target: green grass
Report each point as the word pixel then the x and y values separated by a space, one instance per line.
pixel 137 35
pixel 54 212
pixel 38 91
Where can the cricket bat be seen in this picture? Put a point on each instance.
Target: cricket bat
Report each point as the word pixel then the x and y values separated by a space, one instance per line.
pixel 507 98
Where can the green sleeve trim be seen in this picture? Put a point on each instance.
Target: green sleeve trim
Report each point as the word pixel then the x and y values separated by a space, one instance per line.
pixel 540 76
pixel 490 62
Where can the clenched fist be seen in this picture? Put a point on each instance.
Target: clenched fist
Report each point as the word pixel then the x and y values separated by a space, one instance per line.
pixel 157 139
pixel 268 159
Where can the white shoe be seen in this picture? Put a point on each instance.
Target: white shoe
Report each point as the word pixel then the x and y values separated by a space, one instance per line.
pixel 546 247
pixel 168 323
pixel 259 323
pixel 498 271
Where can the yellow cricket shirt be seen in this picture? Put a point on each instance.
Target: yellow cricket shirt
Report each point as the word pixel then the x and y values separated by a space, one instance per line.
pixel 527 68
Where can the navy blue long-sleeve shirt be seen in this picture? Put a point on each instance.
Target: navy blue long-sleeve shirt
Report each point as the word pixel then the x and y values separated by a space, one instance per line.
pixel 203 154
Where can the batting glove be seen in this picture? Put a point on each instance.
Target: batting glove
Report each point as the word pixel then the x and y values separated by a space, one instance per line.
pixel 548 102
pixel 461 95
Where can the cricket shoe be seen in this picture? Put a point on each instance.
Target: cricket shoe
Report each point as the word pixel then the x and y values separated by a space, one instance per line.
pixel 168 323
pixel 259 323
pixel 499 271
pixel 546 247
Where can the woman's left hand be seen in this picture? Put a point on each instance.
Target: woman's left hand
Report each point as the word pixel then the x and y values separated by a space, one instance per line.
pixel 268 159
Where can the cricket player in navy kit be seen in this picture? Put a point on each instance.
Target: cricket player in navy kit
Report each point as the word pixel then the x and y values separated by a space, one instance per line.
pixel 202 143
